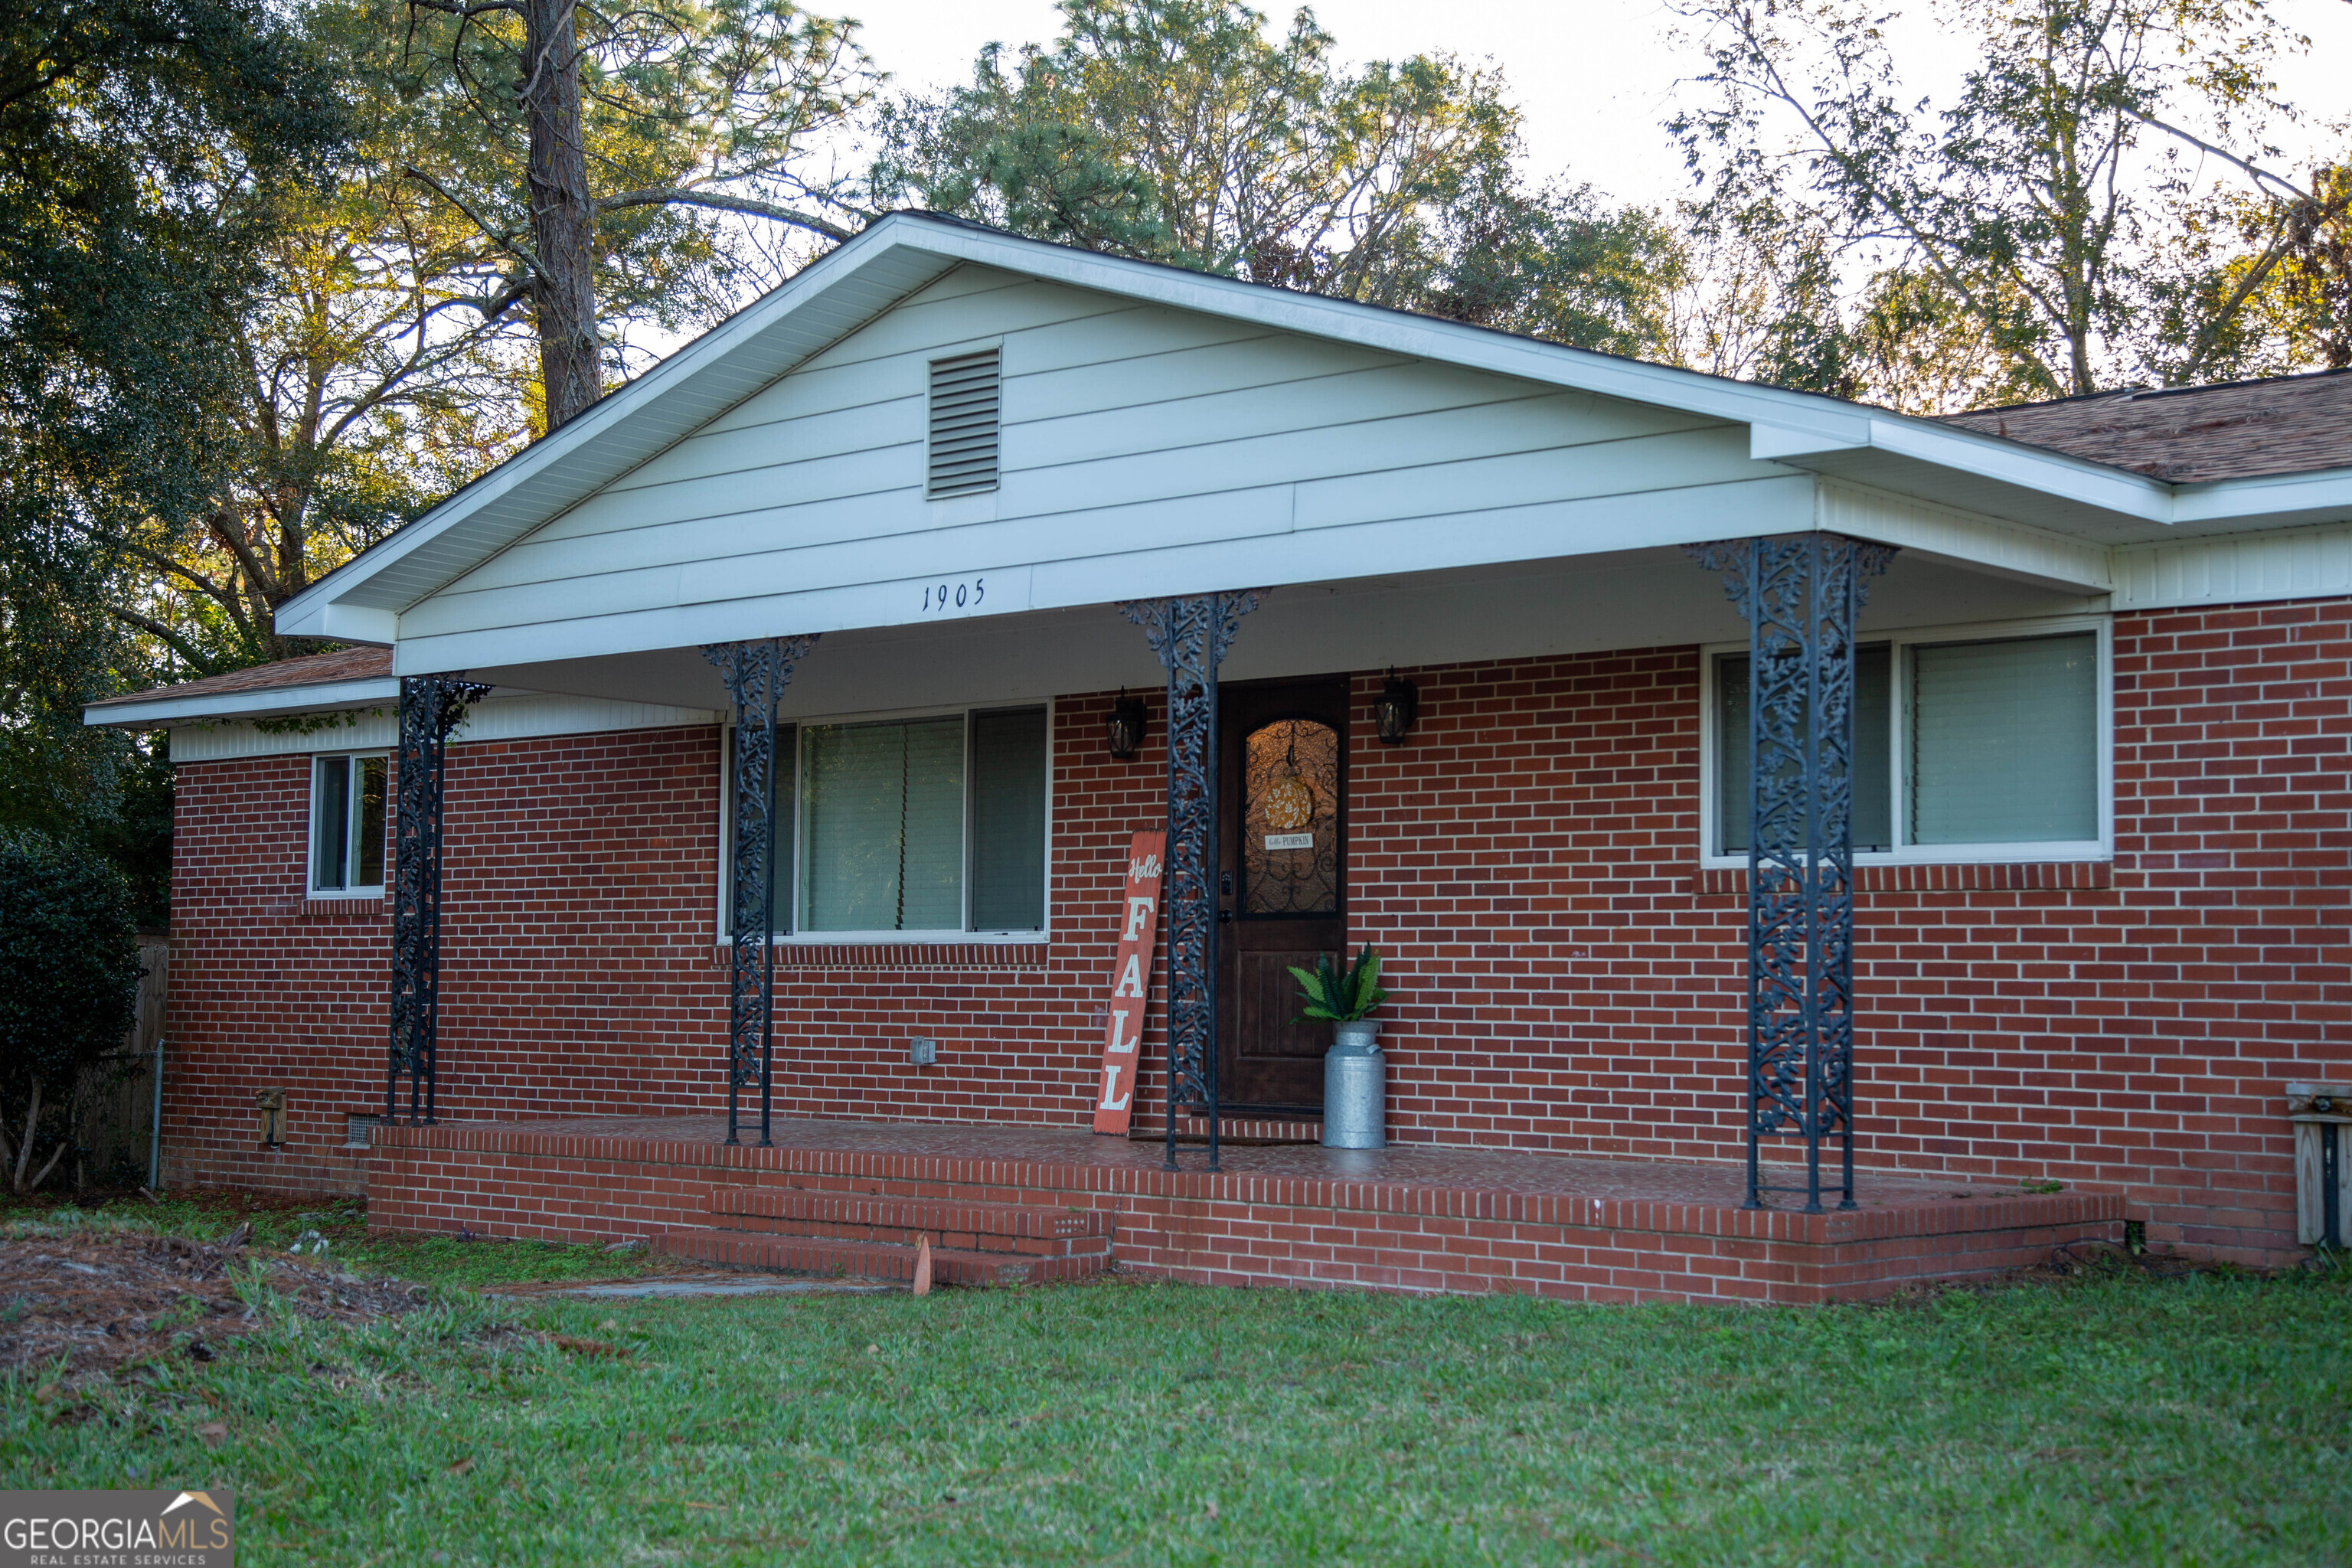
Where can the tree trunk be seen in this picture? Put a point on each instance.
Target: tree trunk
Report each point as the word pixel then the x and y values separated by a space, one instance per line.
pixel 563 221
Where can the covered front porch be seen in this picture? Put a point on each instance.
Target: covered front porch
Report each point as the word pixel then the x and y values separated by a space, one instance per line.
pixel 1818 592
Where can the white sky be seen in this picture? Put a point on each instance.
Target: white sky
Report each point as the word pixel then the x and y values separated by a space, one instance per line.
pixel 1594 77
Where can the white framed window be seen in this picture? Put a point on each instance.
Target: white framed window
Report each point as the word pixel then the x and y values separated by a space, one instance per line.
pixel 920 826
pixel 1972 744
pixel 347 825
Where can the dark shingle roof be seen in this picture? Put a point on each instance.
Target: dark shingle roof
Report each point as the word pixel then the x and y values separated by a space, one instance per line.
pixel 310 670
pixel 2288 424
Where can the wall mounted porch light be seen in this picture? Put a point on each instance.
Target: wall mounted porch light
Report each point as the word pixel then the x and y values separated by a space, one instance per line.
pixel 1395 708
pixel 1125 728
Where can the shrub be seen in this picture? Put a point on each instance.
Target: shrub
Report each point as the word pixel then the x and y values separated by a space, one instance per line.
pixel 69 988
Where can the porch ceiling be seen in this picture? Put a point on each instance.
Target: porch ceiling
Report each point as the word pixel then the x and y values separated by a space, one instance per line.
pixel 1647 598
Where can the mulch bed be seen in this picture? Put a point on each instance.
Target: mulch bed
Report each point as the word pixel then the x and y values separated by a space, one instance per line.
pixel 101 1300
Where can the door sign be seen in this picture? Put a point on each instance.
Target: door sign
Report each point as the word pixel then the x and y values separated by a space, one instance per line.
pixel 1131 981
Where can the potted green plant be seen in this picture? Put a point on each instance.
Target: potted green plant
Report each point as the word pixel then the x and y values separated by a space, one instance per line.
pixel 1355 1090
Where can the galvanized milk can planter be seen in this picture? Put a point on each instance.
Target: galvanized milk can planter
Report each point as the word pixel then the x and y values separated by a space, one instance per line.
pixel 1355 1072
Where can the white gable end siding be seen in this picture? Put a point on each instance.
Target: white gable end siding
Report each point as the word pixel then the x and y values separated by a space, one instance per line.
pixel 1143 448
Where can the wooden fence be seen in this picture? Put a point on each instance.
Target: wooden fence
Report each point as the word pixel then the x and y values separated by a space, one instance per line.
pixel 117 1093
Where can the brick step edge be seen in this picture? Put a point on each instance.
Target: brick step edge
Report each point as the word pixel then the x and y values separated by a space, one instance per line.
pixel 993 1245
pixel 869 1260
pixel 1036 1221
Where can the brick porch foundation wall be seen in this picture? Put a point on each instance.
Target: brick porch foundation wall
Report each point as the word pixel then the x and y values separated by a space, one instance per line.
pixel 1566 979
pixel 1243 1230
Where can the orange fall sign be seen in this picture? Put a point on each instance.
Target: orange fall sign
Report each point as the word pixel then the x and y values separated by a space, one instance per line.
pixel 1131 981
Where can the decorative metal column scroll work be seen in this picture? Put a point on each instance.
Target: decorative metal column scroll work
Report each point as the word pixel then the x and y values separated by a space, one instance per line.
pixel 1190 636
pixel 756 674
pixel 431 709
pixel 1801 595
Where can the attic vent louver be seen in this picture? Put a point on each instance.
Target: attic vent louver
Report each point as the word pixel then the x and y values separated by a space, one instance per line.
pixel 964 424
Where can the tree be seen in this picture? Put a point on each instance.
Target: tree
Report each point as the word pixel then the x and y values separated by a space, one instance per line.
pixel 133 136
pixel 69 988
pixel 1757 299
pixel 379 365
pixel 1176 130
pixel 599 149
pixel 2280 261
pixel 2029 215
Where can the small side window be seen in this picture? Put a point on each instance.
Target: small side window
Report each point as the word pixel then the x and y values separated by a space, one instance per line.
pixel 347 825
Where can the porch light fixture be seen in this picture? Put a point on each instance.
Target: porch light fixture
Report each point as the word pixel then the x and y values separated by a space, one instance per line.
pixel 1125 728
pixel 1395 708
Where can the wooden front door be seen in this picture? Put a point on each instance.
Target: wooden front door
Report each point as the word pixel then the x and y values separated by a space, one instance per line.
pixel 1282 889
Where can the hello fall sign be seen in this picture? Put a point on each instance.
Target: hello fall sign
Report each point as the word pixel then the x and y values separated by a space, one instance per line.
pixel 1131 981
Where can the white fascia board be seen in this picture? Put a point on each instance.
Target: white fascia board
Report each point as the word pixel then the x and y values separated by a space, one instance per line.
pixel 344 623
pixel 2091 484
pixel 2280 498
pixel 160 712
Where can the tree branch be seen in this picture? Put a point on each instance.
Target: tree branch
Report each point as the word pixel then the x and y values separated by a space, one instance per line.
pixel 55 1155
pixel 459 8
pixel 154 628
pixel 680 196
pixel 2259 176
pixel 495 237
pixel 24 1150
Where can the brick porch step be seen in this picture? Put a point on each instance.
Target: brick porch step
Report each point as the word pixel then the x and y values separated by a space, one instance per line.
pixel 1033 1230
pixel 835 1256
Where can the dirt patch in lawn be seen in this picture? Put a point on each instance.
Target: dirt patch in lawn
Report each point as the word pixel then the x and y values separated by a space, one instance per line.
pixel 101 1299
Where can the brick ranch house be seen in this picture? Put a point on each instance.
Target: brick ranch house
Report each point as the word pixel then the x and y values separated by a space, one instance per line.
pixel 2015 740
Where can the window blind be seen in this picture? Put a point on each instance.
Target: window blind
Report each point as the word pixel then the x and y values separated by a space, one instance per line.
pixel 1873 717
pixel 2004 740
pixel 884 827
pixel 964 424
pixel 1008 820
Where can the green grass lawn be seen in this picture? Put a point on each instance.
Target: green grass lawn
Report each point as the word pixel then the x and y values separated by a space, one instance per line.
pixel 2110 1417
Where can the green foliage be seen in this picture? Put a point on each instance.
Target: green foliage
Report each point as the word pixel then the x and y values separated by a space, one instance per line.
pixel 1176 130
pixel 140 142
pixel 1338 997
pixel 2030 236
pixel 68 983
pixel 693 116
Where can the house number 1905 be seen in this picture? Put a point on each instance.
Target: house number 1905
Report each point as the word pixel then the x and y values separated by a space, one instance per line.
pixel 941 597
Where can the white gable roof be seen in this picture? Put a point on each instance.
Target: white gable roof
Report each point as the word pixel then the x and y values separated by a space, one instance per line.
pixel 902 254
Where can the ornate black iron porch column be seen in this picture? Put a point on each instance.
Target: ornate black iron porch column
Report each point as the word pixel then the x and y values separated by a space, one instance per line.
pixel 756 675
pixel 431 709
pixel 1190 636
pixel 1801 595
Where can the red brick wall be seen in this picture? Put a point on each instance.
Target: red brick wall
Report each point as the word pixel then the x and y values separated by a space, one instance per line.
pixel 579 973
pixel 1567 980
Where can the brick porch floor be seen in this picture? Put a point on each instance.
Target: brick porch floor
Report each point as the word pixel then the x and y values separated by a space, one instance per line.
pixel 1409 1218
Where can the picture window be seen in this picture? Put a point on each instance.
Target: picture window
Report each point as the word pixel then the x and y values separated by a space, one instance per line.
pixel 1963 746
pixel 926 825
